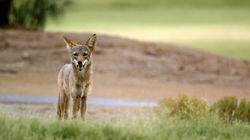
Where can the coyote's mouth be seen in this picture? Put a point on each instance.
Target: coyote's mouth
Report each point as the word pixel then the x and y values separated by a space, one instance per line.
pixel 82 66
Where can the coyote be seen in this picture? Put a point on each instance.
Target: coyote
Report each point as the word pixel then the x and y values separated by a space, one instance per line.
pixel 74 80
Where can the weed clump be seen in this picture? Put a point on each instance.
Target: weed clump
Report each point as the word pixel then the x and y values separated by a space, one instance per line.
pixel 230 109
pixel 184 107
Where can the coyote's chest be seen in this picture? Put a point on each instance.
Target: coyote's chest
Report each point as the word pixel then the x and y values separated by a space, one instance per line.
pixel 78 90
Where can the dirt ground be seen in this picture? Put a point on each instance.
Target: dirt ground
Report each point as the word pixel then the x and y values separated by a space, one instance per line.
pixel 123 68
pixel 93 113
pixel 125 88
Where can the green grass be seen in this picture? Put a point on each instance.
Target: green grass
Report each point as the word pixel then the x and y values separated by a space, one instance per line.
pixel 204 128
pixel 217 26
pixel 234 49
pixel 126 4
pixel 181 118
pixel 114 19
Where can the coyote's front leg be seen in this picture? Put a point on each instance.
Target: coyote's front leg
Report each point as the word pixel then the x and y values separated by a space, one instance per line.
pixel 74 108
pixel 83 107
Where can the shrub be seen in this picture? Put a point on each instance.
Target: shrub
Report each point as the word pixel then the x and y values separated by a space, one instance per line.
pixel 183 107
pixel 33 14
pixel 229 109
pixel 226 107
pixel 243 111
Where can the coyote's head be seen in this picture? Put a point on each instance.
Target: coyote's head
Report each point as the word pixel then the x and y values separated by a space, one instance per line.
pixel 81 52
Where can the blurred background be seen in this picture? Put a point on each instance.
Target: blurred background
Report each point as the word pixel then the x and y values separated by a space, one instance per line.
pixel 165 47
pixel 217 26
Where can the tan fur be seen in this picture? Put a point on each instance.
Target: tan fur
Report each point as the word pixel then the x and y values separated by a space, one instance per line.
pixel 73 83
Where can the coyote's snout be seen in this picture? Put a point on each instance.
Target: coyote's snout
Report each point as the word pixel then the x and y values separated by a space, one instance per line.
pixel 74 80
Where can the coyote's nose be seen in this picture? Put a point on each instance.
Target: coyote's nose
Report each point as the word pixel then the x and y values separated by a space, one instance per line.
pixel 79 63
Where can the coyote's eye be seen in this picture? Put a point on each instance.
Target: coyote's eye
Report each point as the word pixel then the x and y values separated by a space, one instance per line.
pixel 85 54
pixel 75 54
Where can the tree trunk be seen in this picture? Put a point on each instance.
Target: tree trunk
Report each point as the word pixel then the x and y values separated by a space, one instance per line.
pixel 4 12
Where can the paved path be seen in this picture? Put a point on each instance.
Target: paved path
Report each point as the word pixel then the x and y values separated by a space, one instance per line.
pixel 35 99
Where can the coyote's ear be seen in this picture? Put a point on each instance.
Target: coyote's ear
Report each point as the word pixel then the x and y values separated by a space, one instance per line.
pixel 91 42
pixel 70 44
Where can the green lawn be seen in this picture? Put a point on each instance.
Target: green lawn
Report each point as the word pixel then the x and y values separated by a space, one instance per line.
pixel 221 26
pixel 181 118
pixel 21 128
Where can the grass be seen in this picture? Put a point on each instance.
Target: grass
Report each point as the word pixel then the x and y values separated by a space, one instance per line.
pixel 217 26
pixel 182 118
pixel 126 4
pixel 231 48
pixel 204 128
